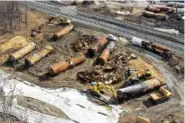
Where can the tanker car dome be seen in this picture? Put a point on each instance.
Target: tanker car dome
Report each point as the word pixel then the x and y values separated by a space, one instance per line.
pixel 112 37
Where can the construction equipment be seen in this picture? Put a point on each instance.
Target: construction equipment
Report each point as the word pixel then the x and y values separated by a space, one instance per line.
pixel 36 57
pixel 37 30
pixel 105 93
pixel 142 87
pixel 161 95
pixel 63 65
pixel 22 52
pixel 160 16
pixel 140 119
pixel 151 46
pixel 62 32
pixel 62 21
pixel 134 75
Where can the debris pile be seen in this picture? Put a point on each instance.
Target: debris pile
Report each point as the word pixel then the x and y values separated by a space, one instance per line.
pixel 111 72
pixel 83 43
pixel 37 30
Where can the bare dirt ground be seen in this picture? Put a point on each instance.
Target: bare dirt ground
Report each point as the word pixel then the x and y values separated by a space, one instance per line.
pixel 170 110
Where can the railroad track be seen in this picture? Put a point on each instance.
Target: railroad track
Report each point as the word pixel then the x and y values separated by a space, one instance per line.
pixel 130 25
pixel 115 29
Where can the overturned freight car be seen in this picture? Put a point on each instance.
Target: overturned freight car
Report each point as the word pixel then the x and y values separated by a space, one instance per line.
pixel 151 46
pixel 143 87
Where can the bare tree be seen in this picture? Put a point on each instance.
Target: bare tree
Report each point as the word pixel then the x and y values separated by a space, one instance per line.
pixel 10 15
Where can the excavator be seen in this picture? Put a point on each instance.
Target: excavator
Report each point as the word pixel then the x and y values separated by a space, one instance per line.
pixel 62 20
pixel 134 75
pixel 102 92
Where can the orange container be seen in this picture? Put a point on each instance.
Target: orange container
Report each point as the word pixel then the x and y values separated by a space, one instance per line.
pixel 77 60
pixel 62 32
pixel 106 52
pixel 63 65
pixel 58 67
pixel 96 48
pixel 104 57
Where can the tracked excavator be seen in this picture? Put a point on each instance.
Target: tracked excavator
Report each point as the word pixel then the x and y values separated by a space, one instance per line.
pixel 62 20
pixel 133 75
pixel 102 92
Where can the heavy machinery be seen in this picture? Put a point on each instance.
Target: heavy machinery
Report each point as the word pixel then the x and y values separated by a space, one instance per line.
pixel 162 95
pixel 134 75
pixel 62 20
pixel 105 93
pixel 37 30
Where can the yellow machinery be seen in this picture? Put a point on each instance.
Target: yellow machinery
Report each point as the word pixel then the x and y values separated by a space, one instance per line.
pixel 62 20
pixel 162 95
pixel 134 75
pixel 105 93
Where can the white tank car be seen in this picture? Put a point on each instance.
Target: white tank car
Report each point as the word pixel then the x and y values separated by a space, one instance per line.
pixel 136 41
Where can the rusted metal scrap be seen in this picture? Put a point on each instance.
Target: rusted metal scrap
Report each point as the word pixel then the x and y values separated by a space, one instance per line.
pixel 83 43
pixel 111 72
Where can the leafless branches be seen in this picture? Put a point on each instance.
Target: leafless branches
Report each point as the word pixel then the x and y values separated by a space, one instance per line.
pixel 10 15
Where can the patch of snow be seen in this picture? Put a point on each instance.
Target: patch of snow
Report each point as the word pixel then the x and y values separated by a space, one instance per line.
pixel 167 30
pixel 66 99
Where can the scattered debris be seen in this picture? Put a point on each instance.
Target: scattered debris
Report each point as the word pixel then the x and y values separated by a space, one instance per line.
pixel 34 32
pixel 179 69
pixel 111 72
pixel 83 43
